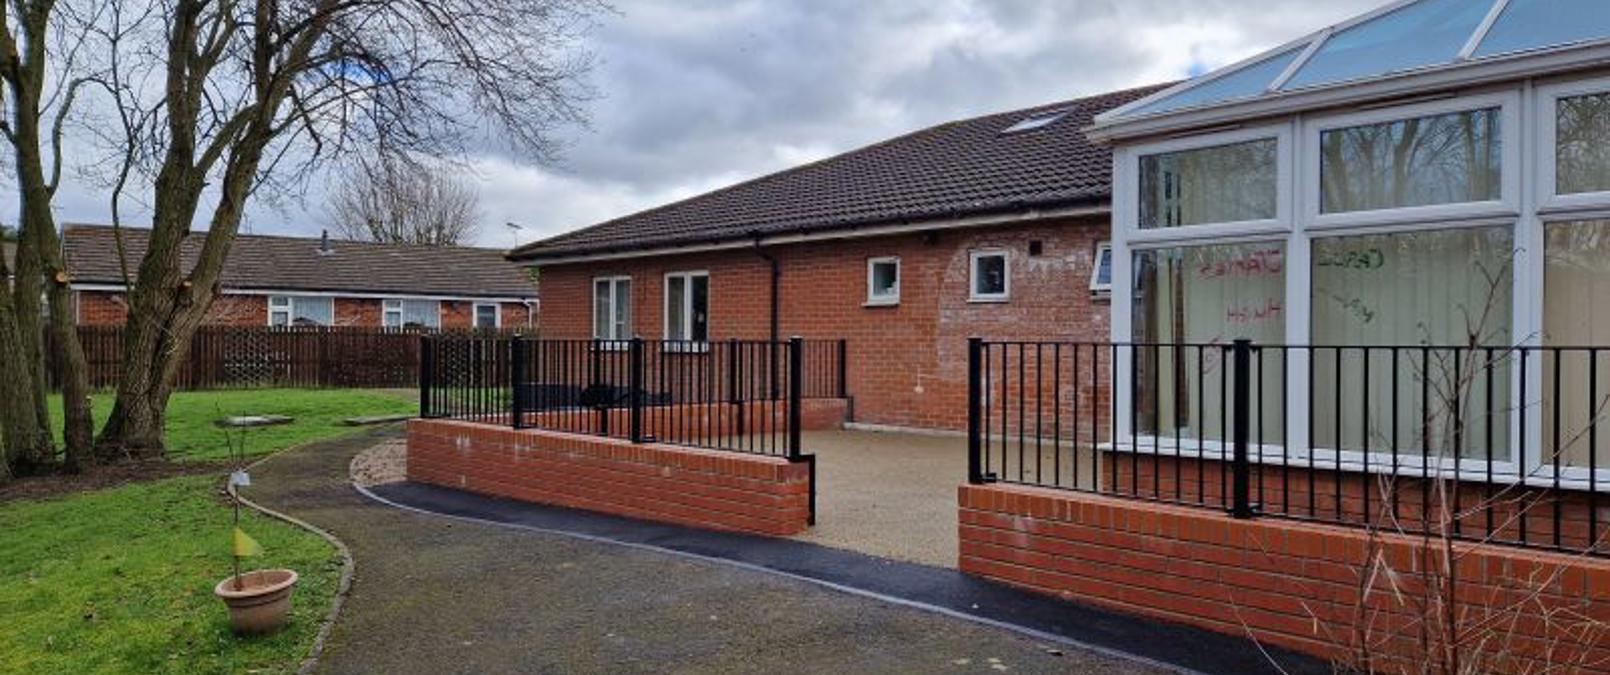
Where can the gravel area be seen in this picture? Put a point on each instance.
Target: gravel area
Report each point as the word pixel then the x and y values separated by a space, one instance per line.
pixel 380 464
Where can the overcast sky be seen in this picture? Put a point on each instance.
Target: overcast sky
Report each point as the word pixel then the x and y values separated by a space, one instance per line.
pixel 696 94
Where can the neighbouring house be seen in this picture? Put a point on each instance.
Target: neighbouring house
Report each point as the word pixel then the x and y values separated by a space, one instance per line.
pixel 995 225
pixel 294 281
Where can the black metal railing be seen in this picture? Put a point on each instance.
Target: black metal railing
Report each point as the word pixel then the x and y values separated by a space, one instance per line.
pixel 735 395
pixel 1498 444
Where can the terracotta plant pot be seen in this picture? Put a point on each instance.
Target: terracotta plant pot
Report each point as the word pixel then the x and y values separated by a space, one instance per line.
pixel 262 601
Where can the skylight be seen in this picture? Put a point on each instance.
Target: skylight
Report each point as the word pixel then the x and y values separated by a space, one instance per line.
pixel 1403 36
pixel 1036 121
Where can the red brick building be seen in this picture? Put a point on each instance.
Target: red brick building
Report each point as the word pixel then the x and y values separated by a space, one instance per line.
pixel 987 226
pixel 285 281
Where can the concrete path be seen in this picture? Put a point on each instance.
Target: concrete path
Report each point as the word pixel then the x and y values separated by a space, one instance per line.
pixel 438 595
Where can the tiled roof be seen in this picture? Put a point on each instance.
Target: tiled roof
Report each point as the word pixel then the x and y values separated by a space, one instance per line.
pixel 963 168
pixel 260 262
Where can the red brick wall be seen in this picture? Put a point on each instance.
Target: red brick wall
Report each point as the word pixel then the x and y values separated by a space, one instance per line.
pixel 1292 584
pixel 908 363
pixel 461 314
pixel 358 312
pixel 702 488
pixel 101 308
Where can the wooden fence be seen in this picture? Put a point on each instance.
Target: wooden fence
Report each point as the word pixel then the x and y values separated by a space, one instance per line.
pixel 224 357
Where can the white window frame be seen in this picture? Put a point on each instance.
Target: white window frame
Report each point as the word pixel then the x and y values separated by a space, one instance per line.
pixel 1096 285
pixel 288 307
pixel 387 310
pixel 614 297
pixel 1127 165
pixel 497 314
pixel 972 275
pixel 871 266
pixel 1510 134
pixel 1546 112
pixel 687 278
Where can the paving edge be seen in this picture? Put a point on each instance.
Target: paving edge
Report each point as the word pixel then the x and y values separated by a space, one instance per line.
pixel 348 564
pixel 1025 631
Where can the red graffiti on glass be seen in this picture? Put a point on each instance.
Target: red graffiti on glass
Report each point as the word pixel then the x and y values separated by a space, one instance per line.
pixel 1260 262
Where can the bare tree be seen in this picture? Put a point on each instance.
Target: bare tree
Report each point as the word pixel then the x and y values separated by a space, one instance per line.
pixel 396 200
pixel 225 101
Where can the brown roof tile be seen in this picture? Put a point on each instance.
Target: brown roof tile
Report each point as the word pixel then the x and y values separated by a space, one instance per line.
pixel 262 262
pixel 956 169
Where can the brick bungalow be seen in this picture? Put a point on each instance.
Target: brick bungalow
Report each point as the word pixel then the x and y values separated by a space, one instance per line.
pixel 292 281
pixel 995 225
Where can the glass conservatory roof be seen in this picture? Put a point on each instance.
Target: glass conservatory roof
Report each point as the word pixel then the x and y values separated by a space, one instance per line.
pixel 1403 36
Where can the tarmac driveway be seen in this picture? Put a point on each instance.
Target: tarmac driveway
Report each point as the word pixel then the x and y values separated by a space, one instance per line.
pixel 434 595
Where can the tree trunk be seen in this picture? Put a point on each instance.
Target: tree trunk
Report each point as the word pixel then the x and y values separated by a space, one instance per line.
pixel 25 443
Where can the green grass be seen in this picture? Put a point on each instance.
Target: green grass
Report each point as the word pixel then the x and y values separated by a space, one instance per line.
pixel 318 412
pixel 120 581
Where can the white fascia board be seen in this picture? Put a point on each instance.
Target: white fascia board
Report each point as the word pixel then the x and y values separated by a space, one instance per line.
pixel 833 235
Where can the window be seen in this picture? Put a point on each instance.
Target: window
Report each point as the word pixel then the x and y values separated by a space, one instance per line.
pixel 687 306
pixel 612 308
pixel 990 279
pixel 1576 279
pixel 1036 121
pixel 1438 288
pixel 1187 300
pixel 410 313
pixel 883 281
pixel 300 310
pixel 1581 153
pixel 1219 184
pixel 1439 159
pixel 1101 270
pixel 488 315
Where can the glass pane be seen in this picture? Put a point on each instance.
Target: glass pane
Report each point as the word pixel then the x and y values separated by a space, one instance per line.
pixel 701 309
pixel 486 316
pixel 1448 289
pixel 623 310
pixel 601 309
pixel 1104 267
pixel 1533 24
pixel 1441 159
pixel 989 275
pixel 312 311
pixel 1418 34
pixel 885 280
pixel 1189 303
pixel 422 314
pixel 279 318
pixel 1250 80
pixel 1222 184
pixel 394 320
pixel 675 309
pixel 1576 279
pixel 1582 144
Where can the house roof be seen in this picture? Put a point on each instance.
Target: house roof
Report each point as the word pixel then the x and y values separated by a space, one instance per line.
pixel 958 169
pixel 1401 38
pixel 259 262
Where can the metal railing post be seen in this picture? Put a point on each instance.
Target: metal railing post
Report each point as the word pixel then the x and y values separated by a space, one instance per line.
pixel 975 411
pixel 517 383
pixel 635 396
pixel 1241 406
pixel 594 387
pixel 427 374
pixel 796 378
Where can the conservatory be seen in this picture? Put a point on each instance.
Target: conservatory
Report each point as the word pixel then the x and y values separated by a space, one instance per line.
pixel 1409 214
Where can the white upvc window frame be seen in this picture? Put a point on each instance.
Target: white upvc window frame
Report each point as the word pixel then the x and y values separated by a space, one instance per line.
pixel 1546 112
pixel 387 310
pixel 1127 166
pixel 873 300
pixel 288 307
pixel 972 275
pixel 497 314
pixel 1508 104
pixel 614 297
pixel 687 277
pixel 1097 286
pixel 1528 203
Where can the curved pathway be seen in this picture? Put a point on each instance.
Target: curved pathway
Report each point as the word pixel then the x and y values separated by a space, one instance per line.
pixel 445 595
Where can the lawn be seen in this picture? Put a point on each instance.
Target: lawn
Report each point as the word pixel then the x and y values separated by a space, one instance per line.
pixel 318 414
pixel 120 581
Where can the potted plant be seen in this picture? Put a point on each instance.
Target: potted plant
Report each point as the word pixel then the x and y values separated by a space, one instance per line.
pixel 259 600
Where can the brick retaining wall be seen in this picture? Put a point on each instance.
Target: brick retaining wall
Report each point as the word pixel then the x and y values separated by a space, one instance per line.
pixel 702 488
pixel 1289 583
